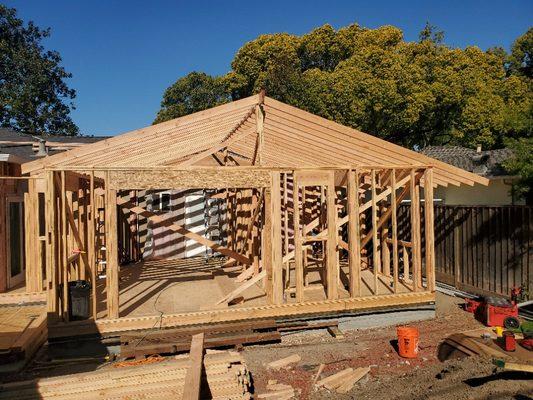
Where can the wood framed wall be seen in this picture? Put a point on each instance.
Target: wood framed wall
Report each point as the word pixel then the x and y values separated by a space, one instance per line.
pixel 343 220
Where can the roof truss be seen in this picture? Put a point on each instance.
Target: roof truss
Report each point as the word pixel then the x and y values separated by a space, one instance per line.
pixel 260 130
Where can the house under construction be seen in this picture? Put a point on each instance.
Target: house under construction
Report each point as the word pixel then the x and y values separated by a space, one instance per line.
pixel 253 209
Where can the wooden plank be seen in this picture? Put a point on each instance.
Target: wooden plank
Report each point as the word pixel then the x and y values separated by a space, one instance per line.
pixel 375 227
pixel 298 262
pixel 354 249
pixel 332 262
pixel 394 217
pixel 356 376
pixel 193 379
pixel 22 297
pixel 64 249
pixel 266 248
pixel 429 229
pixel 242 288
pixel 112 266
pixel 183 231
pixel 51 246
pixel 260 123
pixel 91 244
pixel 192 178
pixel 415 232
pixel 124 324
pixel 277 253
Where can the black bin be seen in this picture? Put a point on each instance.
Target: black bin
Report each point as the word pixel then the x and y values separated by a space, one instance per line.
pixel 79 293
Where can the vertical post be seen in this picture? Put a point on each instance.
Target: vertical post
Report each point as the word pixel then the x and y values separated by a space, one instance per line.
pixel 3 228
pixel 112 267
pixel 394 217
pixel 34 271
pixel 298 262
pixel 28 242
pixel 277 258
pixel 375 244
pixel 52 295
pixel 91 242
pixel 260 121
pixel 64 246
pixel 415 231
pixel 331 244
pixel 266 248
pixel 82 219
pixel 286 227
pixel 354 242
pixel 429 229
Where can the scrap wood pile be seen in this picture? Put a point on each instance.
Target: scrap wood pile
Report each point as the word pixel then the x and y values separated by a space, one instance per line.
pixel 339 382
pixel 224 376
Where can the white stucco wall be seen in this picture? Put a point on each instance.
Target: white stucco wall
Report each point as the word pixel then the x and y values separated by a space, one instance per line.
pixel 496 193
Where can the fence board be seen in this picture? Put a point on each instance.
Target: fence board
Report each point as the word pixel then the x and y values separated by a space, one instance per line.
pixel 484 249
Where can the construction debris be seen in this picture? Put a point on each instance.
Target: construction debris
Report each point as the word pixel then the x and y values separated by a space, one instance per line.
pixel 335 332
pixel 343 381
pixel 352 379
pixel 320 369
pixel 334 380
pixel 510 366
pixel 284 362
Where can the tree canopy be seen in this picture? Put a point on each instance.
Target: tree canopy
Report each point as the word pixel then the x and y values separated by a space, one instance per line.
pixel 411 93
pixel 34 97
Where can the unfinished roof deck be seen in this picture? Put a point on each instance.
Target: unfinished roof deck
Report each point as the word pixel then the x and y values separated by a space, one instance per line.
pixel 306 215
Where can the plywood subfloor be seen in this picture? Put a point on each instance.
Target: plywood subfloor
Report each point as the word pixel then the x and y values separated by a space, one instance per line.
pixel 187 285
pixel 175 286
pixel 15 320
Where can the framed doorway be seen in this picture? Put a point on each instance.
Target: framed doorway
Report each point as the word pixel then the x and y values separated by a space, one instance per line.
pixel 15 241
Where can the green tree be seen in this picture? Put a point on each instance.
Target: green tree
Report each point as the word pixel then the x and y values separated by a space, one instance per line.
pixel 34 97
pixel 195 92
pixel 521 58
pixel 412 93
pixel 521 165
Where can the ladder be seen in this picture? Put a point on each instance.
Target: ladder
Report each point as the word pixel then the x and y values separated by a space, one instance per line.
pixel 213 208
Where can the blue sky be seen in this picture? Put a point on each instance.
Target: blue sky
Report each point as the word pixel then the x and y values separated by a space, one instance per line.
pixel 124 54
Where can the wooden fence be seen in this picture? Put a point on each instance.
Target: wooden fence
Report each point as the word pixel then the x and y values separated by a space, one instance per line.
pixel 483 249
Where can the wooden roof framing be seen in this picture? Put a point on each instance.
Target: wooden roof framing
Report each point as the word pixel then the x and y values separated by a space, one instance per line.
pixel 291 138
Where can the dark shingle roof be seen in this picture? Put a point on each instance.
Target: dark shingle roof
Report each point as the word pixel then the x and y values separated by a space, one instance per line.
pixel 486 163
pixel 27 152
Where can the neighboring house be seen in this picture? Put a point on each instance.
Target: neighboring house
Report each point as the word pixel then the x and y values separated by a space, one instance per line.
pixel 15 149
pixel 485 163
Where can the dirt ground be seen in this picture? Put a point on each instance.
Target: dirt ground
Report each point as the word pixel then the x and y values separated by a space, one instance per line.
pixel 391 377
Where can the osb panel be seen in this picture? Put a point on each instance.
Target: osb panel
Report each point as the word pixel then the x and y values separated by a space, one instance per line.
pixel 188 179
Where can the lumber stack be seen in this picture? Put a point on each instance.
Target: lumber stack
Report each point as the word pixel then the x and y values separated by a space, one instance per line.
pixel 169 341
pixel 224 376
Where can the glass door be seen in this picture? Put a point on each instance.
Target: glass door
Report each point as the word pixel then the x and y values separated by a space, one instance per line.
pixel 15 241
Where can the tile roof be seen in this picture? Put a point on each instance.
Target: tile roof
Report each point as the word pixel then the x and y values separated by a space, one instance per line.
pixel 486 163
pixel 27 152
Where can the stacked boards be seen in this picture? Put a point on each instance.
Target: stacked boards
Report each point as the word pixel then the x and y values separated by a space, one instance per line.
pixel 224 376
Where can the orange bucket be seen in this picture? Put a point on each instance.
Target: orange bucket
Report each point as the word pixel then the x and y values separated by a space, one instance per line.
pixel 407 341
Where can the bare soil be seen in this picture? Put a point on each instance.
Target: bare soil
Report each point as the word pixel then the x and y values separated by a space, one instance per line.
pixel 390 377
